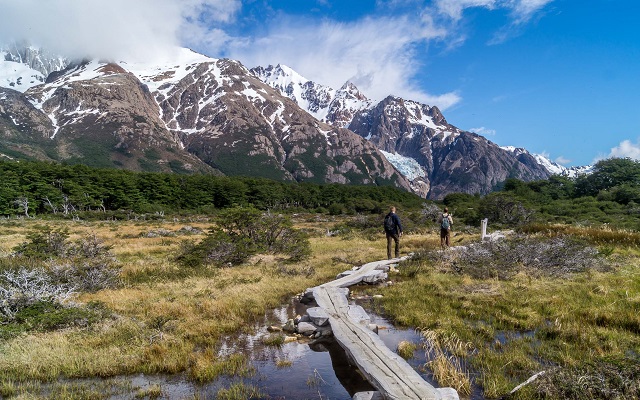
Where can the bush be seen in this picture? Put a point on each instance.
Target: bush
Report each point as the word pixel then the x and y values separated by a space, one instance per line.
pixel 556 256
pixel 44 243
pixel 599 380
pixel 222 249
pixel 86 276
pixel 504 209
pixel 24 288
pixel 243 232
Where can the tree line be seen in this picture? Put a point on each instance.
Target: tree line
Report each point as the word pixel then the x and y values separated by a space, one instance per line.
pixel 608 195
pixel 32 187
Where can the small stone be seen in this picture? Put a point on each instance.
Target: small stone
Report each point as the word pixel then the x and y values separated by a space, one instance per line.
pixel 274 328
pixel 318 316
pixel 368 396
pixel 305 318
pixel 306 328
pixel 289 339
pixel 289 327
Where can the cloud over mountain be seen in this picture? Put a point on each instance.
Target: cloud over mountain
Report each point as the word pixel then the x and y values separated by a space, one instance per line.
pixel 381 51
pixel 114 29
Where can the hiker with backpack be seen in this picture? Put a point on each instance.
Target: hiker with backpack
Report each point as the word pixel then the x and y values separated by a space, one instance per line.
pixel 445 222
pixel 393 230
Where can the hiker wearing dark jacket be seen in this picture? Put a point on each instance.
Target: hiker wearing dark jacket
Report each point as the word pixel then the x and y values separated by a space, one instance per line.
pixel 445 222
pixel 393 230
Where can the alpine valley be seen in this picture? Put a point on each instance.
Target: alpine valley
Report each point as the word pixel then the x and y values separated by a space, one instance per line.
pixel 199 114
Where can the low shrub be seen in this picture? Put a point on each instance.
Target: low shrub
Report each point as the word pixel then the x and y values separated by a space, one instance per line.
pixel 555 256
pixel 241 233
pixel 23 288
pixel 599 380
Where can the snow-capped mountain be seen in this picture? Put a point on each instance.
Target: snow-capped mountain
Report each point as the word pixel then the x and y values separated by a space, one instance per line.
pixel 324 103
pixel 23 66
pixel 551 166
pixel 193 113
pixel 437 157
pixel 196 113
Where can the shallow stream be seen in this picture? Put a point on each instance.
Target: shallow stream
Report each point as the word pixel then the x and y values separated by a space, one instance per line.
pixel 315 372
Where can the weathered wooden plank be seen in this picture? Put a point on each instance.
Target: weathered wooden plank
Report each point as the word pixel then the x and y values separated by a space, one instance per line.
pixel 389 373
pixel 384 369
pixel 367 396
pixel 356 276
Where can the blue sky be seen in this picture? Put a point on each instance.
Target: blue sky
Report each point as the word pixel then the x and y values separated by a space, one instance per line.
pixel 560 78
pixel 557 77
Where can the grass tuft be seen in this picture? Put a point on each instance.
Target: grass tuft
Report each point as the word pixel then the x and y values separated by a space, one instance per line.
pixel 445 353
pixel 405 349
pixel 239 391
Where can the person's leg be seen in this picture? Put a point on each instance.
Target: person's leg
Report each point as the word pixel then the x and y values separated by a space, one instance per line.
pixel 389 239
pixel 448 238
pixel 396 238
pixel 443 238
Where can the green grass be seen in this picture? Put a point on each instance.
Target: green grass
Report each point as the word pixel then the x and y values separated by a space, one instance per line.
pixel 239 391
pixel 525 324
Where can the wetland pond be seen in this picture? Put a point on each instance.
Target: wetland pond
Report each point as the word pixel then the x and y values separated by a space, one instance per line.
pixel 310 371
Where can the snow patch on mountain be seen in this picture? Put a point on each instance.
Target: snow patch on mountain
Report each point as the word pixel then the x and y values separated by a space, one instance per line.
pixel 310 96
pixel 163 76
pixel 407 166
pixel 553 167
pixel 18 76
pixel 84 72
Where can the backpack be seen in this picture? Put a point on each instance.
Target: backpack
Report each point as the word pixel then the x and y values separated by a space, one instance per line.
pixel 389 224
pixel 445 222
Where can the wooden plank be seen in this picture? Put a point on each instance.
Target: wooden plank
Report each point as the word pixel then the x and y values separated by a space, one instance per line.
pixel 386 371
pixel 389 373
pixel 356 277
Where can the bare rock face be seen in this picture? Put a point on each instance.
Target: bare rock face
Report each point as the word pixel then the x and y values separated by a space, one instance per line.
pixel 453 160
pixel 36 58
pixel 24 130
pixel 102 115
pixel 241 126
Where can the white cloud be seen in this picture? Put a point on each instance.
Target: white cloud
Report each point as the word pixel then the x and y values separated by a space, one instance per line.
pixel 625 149
pixel 454 8
pixel 114 29
pixel 483 131
pixel 523 10
pixel 377 54
pixel 520 10
pixel 562 160
pixel 381 55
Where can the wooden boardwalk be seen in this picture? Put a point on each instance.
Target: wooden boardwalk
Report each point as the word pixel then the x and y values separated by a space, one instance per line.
pixel 389 373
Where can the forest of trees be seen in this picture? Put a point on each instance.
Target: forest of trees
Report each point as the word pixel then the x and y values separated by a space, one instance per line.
pixel 32 188
pixel 610 194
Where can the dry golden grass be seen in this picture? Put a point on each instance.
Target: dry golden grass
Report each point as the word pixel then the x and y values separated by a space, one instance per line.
pixel 445 351
pixel 162 323
pixel 405 349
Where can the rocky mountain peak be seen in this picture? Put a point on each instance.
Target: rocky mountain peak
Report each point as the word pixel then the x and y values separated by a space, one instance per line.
pixel 350 90
pixel 196 113
pixel 34 57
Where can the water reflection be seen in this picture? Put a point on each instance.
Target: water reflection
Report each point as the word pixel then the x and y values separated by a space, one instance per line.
pixel 314 370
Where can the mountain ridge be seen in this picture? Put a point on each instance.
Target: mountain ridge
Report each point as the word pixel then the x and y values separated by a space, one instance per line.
pixel 196 113
pixel 418 137
pixel 202 113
